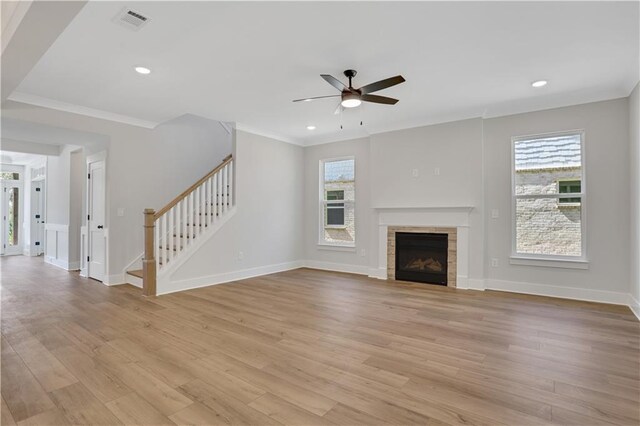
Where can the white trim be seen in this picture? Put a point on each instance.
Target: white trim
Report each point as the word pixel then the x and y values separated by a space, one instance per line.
pixel 475 284
pixel 133 280
pixel 555 262
pixel 379 273
pixel 575 293
pixel 322 202
pixel 336 247
pixel 40 101
pixel 267 134
pixel 337 267
pixel 61 263
pixel 115 279
pixel 552 259
pixel 634 305
pixel 226 277
pixel 56 227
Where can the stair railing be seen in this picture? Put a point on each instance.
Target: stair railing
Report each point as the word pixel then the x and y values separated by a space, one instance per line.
pixel 170 230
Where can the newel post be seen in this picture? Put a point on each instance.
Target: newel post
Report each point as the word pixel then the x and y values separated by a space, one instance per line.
pixel 149 260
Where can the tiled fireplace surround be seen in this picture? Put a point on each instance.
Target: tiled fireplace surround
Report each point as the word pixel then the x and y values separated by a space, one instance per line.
pixel 453 221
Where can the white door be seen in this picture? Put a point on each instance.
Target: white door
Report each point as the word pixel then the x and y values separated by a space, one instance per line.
pixel 11 217
pixel 37 216
pixel 96 218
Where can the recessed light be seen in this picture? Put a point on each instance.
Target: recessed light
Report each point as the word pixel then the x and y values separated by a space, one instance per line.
pixel 539 83
pixel 142 70
pixel 311 127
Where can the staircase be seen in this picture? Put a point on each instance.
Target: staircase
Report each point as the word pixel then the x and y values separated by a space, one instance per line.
pixel 172 231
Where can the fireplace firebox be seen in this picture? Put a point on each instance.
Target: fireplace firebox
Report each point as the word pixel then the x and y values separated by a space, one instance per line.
pixel 421 257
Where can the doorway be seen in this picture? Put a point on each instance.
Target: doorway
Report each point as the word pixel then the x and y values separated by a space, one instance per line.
pixel 96 190
pixel 10 225
pixel 37 216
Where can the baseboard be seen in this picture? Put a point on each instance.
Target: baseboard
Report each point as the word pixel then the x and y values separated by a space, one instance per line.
pixel 585 294
pixel 114 279
pixel 379 273
pixel 635 306
pixel 63 264
pixel 337 267
pixel 192 283
pixel 475 284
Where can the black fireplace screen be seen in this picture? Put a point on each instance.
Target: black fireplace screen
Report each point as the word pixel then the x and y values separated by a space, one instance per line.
pixel 421 257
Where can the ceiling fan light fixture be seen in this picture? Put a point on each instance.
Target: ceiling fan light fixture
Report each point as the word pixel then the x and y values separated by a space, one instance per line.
pixel 350 100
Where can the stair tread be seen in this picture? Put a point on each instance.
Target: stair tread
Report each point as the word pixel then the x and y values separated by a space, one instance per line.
pixel 135 273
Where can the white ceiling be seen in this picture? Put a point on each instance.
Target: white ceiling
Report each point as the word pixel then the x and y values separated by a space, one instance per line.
pixel 244 62
pixel 19 158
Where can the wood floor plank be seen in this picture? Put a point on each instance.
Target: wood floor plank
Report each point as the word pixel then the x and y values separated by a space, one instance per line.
pixel 23 394
pixel 286 413
pixel 131 409
pixel 5 414
pixel 43 365
pixel 81 407
pixel 309 347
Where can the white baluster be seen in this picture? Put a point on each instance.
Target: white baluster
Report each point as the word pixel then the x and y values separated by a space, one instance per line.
pixel 231 184
pixel 156 230
pixel 198 215
pixel 176 230
pixel 224 189
pixel 170 234
pixel 164 239
pixel 183 240
pixel 215 197
pixel 190 215
pixel 209 201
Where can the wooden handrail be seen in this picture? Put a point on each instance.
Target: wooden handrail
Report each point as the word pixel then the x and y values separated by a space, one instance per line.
pixel 189 190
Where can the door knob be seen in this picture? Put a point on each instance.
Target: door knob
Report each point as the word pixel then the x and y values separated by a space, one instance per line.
pixel 100 226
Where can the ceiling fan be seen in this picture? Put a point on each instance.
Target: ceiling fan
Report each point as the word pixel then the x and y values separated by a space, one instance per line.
pixel 352 97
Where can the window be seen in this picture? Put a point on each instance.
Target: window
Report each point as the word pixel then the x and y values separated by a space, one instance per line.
pixel 9 176
pixel 337 202
pixel 569 187
pixel 549 197
pixel 335 211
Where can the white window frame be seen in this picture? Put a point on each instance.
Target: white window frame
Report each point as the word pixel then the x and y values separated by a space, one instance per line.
pixel 550 260
pixel 322 204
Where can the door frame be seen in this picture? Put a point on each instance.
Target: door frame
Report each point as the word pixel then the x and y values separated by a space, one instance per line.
pixel 33 251
pixel 85 244
pixel 20 225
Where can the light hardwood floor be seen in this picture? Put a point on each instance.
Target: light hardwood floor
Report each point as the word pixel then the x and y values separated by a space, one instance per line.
pixel 308 347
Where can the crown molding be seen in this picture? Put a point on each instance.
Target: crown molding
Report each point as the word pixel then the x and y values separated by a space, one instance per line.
pixel 40 101
pixel 271 135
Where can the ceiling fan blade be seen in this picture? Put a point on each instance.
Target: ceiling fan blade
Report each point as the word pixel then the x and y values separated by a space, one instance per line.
pixel 314 98
pixel 334 82
pixel 382 84
pixel 379 99
pixel 339 109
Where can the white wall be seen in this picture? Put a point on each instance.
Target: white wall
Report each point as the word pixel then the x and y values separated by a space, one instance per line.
pixel 634 156
pixel 342 258
pixel 268 223
pixel 77 173
pixel 65 178
pixel 455 150
pixel 607 206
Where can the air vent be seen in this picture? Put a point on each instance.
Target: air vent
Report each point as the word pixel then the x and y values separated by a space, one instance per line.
pixel 131 19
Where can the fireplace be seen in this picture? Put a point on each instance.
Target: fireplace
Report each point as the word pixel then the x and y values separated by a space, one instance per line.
pixel 422 257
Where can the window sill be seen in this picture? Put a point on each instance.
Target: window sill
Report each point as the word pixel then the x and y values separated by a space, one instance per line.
pixel 549 262
pixel 335 227
pixel 336 247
